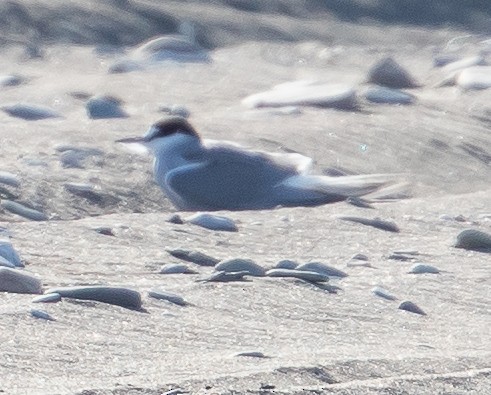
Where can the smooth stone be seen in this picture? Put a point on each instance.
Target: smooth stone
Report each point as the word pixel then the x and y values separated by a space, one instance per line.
pixel 175 219
pixel 194 257
pixel 23 211
pixel 286 264
pixel 174 48
pixel 472 239
pixel 240 265
pixel 300 274
pixel 78 188
pixel 10 80
pixel 125 66
pixel 104 107
pixel 8 252
pixel 375 222
pixel 176 268
pixel 30 112
pixel 73 157
pixel 213 222
pixel 305 93
pixel 422 268
pixel 175 110
pixel 5 263
pixel 168 296
pixel 104 230
pixel 384 95
pixel 411 307
pixel 388 72
pixel 44 315
pixel 383 293
pixel 17 281
pixel 401 257
pixel 47 298
pixel 322 268
pixel 252 354
pixel 474 78
pixel 9 179
pixel 118 296
pixel 360 257
pixel 224 277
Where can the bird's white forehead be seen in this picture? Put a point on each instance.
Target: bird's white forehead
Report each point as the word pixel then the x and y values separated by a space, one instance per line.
pixel 151 132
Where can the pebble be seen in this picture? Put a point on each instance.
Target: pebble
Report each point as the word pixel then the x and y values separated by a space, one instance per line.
pixel 104 230
pixel 401 257
pixel 194 257
pixel 16 281
pixel 176 268
pixel 118 296
pixel 300 274
pixel 213 222
pixel 125 66
pixel 240 265
pixel 441 60
pixel 175 219
pixel 305 93
pixel 383 293
pixel 42 315
pixel 388 72
pixel 8 252
pixel 30 112
pixel 9 179
pixel 11 80
pixel 47 298
pixel 72 157
pixel 411 307
pixel 224 277
pixel 252 354
pixel 472 239
pixel 322 268
pixel 23 211
pixel 474 78
pixel 359 257
pixel 175 110
pixel 422 268
pixel 174 48
pixel 376 223
pixel 286 264
pixel 79 188
pixel 384 95
pixel 104 107
pixel 168 296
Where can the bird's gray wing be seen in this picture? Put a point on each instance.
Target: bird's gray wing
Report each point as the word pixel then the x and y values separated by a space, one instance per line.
pixel 228 179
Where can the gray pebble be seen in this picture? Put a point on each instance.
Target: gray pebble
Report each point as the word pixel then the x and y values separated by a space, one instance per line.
pixel 44 315
pixel 411 307
pixel 472 239
pixel 376 223
pixel 300 274
pixel 240 265
pixel 383 293
pixel 104 230
pixel 16 281
pixel 176 110
pixel 9 179
pixel 125 66
pixel 286 264
pixel 421 268
pixel 388 72
pixel 30 112
pixel 444 59
pixel 73 157
pixel 252 354
pixel 175 219
pixel 11 80
pixel 103 107
pixel 322 268
pixel 176 268
pixel 194 256
pixel 173 48
pixel 113 295
pixel 47 298
pixel 8 252
pixel 383 95
pixel 359 257
pixel 401 257
pixel 225 277
pixel 168 296
pixel 213 222
pixel 23 211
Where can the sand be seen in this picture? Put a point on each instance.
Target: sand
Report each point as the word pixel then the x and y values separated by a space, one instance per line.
pixel 316 342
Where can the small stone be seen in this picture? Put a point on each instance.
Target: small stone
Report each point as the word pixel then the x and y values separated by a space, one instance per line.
pixel 376 223
pixel 42 315
pixel 251 354
pixel 322 268
pixel 300 274
pixel 194 256
pixel 16 281
pixel 176 268
pixel 23 211
pixel 104 107
pixel 472 239
pixel 411 307
pixel 175 219
pixel 286 264
pixel 360 257
pixel 47 298
pixel 170 48
pixel 474 78
pixel 104 230
pixel 8 252
pixel 421 268
pixel 9 179
pixel 118 296
pixel 213 222
pixel 30 112
pixel 401 257
pixel 383 293
pixel 388 72
pixel 125 66
pixel 73 157
pixel 383 95
pixel 224 277
pixel 11 80
pixel 168 296
pixel 240 265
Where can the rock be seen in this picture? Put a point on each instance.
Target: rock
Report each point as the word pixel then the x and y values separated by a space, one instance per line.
pixel 8 252
pixel 16 281
pixel 300 274
pixel 47 298
pixel 383 293
pixel 322 268
pixel 421 268
pixel 240 265
pixel 168 296
pixel 411 307
pixel 286 264
pixel 401 257
pixel 42 315
pixel 125 66
pixel 225 277
pixel 103 107
pixel 213 222
pixel 11 80
pixel 9 179
pixel 359 257
pixel 388 72
pixel 72 157
pixel 472 239
pixel 474 78
pixel 118 296
pixel 383 95
pixel 104 230
pixel 30 112
pixel 170 48
pixel 176 268
pixel 23 211
pixel 194 256
pixel 175 219
pixel 252 354
pixel 376 223
pixel 305 93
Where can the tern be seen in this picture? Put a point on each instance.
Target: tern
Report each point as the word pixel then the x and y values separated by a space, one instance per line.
pixel 208 175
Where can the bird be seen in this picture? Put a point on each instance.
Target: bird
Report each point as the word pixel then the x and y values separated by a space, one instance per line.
pixel 207 175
